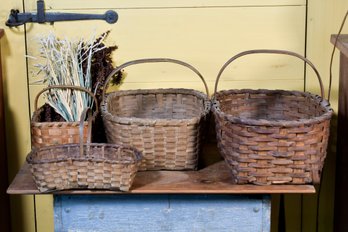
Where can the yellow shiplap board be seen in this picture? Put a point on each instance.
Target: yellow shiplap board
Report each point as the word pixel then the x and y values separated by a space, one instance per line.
pixel 16 114
pixel 324 19
pixel 204 42
pixel 106 4
pixel 293 221
pixel 223 85
pixel 22 213
pixel 44 211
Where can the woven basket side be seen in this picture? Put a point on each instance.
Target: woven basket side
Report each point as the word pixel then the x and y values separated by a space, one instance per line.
pixel 54 133
pixel 163 147
pixel 103 167
pixel 273 155
pixel 83 175
pixel 109 153
pixel 164 124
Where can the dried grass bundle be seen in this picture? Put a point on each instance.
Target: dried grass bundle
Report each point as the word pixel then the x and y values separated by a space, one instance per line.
pixel 68 63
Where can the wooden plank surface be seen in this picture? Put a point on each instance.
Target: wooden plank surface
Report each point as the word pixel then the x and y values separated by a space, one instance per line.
pixel 157 213
pixel 1 33
pixel 188 35
pixel 342 43
pixel 214 179
pixel 136 4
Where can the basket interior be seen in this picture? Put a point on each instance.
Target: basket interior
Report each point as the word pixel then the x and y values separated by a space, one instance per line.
pixel 271 105
pixel 47 114
pixel 156 105
pixel 94 152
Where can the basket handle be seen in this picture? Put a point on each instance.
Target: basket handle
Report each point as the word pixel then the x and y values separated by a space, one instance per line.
pixel 153 60
pixel 81 128
pixel 284 52
pixel 68 87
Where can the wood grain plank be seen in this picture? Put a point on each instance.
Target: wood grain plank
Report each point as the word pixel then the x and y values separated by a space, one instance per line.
pixel 181 34
pixel 214 179
pixel 155 213
pixel 15 88
pixel 136 4
pixel 342 43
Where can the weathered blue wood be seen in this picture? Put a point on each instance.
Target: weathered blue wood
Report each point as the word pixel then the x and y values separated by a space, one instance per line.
pixel 266 213
pixel 152 213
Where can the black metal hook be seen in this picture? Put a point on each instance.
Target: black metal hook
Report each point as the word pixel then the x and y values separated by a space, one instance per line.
pixel 13 19
pixel 16 19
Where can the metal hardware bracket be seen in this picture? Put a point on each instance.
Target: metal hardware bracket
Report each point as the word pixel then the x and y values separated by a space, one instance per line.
pixel 16 19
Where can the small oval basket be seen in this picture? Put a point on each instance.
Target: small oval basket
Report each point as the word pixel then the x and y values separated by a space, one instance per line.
pixel 166 125
pixel 272 136
pixel 56 133
pixel 84 166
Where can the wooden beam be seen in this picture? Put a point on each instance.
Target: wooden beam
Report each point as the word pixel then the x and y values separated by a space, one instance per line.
pixel 342 43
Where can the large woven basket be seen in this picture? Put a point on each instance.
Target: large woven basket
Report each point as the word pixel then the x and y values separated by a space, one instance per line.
pixel 164 124
pixel 272 136
pixel 84 166
pixel 55 133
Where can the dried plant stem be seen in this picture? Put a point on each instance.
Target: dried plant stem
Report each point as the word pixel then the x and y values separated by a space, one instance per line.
pixel 66 65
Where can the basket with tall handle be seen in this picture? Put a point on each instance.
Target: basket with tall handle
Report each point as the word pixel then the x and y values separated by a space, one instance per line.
pixel 272 136
pixel 55 133
pixel 84 165
pixel 166 125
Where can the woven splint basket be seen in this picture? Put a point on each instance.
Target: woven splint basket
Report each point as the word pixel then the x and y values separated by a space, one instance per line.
pixel 56 133
pixel 84 166
pixel 272 136
pixel 164 124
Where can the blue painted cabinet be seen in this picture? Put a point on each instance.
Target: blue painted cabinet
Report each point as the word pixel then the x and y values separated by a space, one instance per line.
pixel 152 213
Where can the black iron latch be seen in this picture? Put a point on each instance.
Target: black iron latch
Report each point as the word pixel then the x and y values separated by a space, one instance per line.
pixel 17 19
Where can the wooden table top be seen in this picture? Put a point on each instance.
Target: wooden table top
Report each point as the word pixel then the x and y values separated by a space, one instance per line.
pixel 342 43
pixel 1 33
pixel 214 179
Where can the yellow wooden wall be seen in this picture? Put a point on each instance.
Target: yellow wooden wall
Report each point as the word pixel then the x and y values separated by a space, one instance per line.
pixel 201 32
pixel 16 113
pixel 324 19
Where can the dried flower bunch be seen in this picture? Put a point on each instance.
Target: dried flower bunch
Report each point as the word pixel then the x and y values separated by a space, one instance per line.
pixel 69 63
pixel 102 65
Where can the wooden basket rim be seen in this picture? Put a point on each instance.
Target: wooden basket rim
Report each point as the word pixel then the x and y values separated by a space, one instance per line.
pixel 276 123
pixel 31 160
pixel 147 121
